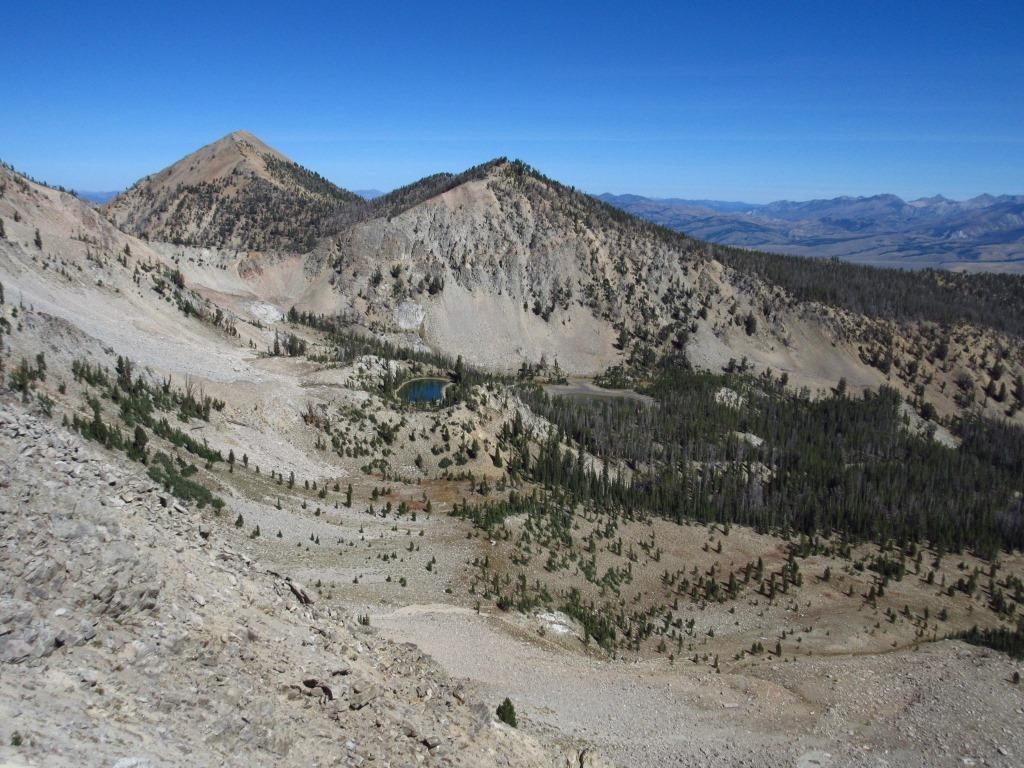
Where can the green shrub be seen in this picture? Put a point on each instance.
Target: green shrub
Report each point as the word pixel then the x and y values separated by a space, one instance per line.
pixel 175 480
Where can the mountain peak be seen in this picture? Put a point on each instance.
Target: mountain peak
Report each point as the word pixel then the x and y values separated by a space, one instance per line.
pixel 223 193
pixel 242 135
pixel 244 140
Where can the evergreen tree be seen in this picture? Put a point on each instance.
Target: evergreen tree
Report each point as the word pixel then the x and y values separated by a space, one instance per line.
pixel 138 447
pixel 507 713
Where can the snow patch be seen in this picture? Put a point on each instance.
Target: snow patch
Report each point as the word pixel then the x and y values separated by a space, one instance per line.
pixel 265 313
pixel 558 623
pixel 409 315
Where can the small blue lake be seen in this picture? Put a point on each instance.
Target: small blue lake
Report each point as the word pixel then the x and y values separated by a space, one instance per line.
pixel 423 391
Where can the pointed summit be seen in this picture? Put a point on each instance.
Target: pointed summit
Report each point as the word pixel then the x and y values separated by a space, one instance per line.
pixel 236 192
pixel 242 135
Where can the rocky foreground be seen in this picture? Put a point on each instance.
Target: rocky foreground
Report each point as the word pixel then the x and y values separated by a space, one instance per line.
pixel 131 634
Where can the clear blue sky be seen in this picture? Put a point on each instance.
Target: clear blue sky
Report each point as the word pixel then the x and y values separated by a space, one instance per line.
pixel 749 101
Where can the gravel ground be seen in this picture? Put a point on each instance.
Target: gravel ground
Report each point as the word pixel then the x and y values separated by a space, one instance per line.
pixel 950 704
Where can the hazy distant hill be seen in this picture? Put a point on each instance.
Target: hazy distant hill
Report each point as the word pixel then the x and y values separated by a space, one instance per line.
pixel 97 198
pixel 985 233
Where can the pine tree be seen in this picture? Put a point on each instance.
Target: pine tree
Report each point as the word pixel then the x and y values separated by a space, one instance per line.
pixel 138 448
pixel 507 713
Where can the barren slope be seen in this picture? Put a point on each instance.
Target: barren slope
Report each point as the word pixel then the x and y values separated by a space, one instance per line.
pixel 512 268
pixel 122 608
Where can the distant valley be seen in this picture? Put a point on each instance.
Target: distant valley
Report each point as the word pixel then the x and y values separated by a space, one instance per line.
pixel 985 233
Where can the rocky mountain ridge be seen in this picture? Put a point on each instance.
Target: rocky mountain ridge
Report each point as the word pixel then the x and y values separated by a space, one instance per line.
pixel 506 268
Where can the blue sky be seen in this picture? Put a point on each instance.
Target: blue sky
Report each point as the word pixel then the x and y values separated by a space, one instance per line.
pixel 748 101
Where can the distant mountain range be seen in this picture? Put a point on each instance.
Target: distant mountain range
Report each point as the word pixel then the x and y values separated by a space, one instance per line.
pixel 985 233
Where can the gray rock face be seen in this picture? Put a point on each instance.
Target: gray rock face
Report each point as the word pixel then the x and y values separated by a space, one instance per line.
pixel 301 593
pixel 363 693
